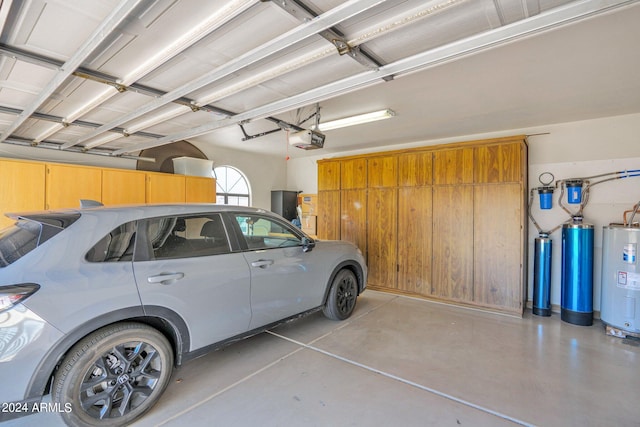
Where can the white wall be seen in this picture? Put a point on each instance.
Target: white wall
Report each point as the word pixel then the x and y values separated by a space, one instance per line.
pixel 265 173
pixel 568 150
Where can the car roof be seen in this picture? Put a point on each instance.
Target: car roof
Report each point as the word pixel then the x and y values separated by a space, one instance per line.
pixel 146 210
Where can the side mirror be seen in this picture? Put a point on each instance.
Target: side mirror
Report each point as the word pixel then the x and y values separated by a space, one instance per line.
pixel 307 244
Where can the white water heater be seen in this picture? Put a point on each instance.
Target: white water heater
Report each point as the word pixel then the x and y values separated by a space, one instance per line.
pixel 620 293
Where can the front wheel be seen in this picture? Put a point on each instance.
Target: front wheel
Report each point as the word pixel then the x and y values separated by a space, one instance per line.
pixel 342 296
pixel 113 376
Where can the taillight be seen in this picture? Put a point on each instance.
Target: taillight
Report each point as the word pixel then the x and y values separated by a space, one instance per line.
pixel 14 294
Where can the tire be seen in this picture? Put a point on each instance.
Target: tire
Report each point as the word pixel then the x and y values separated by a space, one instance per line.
pixel 113 376
pixel 342 296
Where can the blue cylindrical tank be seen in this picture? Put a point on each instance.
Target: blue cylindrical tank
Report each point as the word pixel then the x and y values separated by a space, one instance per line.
pixel 577 273
pixel 542 276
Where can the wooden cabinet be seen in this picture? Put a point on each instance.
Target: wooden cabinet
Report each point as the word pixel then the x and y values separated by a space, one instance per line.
pixel 165 188
pixel 499 163
pixel 328 175
pixel 31 186
pixel 21 188
pixel 353 174
pixel 445 222
pixel 382 172
pixel 415 169
pixel 498 240
pixel 353 218
pixel 453 242
pixel 200 189
pixel 328 222
pixel 414 236
pixel 120 187
pixel 453 167
pixel 381 236
pixel 65 185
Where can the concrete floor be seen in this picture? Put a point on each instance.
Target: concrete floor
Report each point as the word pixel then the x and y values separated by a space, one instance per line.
pixel 400 361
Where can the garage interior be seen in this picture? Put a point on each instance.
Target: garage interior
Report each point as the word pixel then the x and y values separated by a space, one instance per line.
pixel 132 85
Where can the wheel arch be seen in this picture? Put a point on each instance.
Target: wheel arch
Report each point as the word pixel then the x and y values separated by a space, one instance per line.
pixel 349 265
pixel 166 321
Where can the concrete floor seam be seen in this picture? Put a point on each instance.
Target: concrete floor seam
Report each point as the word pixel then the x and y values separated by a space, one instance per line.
pixel 229 387
pixel 264 368
pixel 405 381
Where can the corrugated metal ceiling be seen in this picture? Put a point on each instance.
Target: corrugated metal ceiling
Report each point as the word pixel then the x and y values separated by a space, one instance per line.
pixel 114 77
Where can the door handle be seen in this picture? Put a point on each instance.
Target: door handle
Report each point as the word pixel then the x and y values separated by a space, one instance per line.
pixel 165 278
pixel 262 263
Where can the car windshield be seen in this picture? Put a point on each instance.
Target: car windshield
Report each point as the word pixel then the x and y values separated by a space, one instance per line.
pixel 28 233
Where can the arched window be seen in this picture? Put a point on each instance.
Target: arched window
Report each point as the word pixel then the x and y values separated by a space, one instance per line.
pixel 232 187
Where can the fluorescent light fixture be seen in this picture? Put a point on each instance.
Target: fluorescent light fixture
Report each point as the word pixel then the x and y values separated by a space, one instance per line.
pixel 357 120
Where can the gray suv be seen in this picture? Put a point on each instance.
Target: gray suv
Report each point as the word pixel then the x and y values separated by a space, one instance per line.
pixel 98 305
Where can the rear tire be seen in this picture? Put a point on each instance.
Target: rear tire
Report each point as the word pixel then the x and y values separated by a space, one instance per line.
pixel 113 376
pixel 342 296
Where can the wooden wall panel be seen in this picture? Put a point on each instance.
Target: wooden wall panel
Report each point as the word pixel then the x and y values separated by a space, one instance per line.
pixel 381 236
pixel 353 174
pixel 121 187
pixel 415 216
pixel 382 172
pixel 415 169
pixel 353 218
pixel 498 163
pixel 453 167
pixel 21 188
pixel 453 242
pixel 67 184
pixel 328 175
pixel 498 217
pixel 328 220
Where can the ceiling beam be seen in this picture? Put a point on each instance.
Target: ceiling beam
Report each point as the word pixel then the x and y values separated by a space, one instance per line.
pixel 551 19
pixel 105 28
pixel 334 16
pixel 302 12
pixel 80 123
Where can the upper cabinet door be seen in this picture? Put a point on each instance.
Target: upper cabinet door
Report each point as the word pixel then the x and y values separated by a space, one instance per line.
pixel 121 187
pixel 453 166
pixel 200 189
pixel 165 188
pixel 415 169
pixel 328 175
pixel 499 163
pixel 382 171
pixel 66 185
pixel 353 174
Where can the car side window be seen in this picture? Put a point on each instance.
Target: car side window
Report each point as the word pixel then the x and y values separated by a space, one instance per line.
pixel 187 236
pixel 116 246
pixel 266 233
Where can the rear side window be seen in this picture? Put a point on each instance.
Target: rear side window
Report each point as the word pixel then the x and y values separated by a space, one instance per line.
pixel 116 246
pixel 30 232
pixel 187 236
